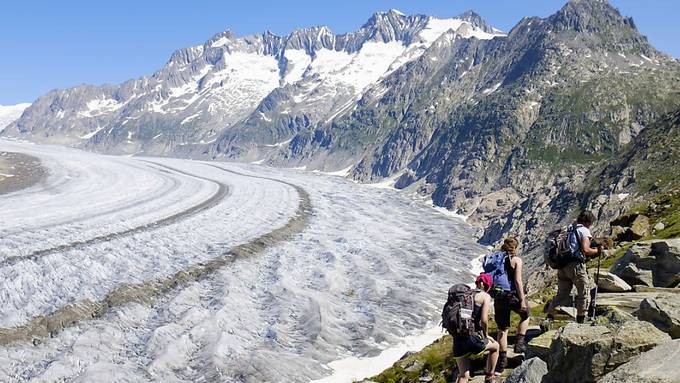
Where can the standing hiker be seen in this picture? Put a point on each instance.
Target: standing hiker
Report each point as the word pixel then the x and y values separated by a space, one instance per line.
pixel 466 317
pixel 574 273
pixel 505 266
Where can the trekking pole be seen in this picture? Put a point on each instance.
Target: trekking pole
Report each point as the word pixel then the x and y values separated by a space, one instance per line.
pixel 591 311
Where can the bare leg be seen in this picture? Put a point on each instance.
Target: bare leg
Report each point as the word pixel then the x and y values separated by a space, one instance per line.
pixel 521 328
pixel 491 360
pixel 463 370
pixel 503 339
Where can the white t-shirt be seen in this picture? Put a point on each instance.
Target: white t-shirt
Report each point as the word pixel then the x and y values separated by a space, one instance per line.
pixel 583 232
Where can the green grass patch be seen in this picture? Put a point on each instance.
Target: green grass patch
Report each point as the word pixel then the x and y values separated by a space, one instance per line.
pixel 435 359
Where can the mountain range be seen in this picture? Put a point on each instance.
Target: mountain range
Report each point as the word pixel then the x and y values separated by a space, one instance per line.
pixel 515 130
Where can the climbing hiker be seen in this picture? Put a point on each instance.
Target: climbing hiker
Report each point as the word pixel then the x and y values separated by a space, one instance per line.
pixel 465 317
pixel 574 272
pixel 505 266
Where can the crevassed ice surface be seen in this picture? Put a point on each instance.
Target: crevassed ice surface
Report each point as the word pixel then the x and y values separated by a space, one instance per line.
pixel 371 267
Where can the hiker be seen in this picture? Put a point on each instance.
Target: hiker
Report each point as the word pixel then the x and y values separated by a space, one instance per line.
pixel 505 266
pixel 574 273
pixel 465 347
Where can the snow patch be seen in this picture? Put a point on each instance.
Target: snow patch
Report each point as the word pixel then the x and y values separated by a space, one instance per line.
pixel 92 133
pixel 11 113
pixel 297 62
pixel 190 118
pixel 340 173
pixel 492 89
pixel 100 106
pixel 279 144
pixel 219 42
pixel 354 369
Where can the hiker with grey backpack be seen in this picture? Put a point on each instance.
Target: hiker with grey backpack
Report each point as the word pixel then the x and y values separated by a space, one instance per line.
pixel 465 316
pixel 567 251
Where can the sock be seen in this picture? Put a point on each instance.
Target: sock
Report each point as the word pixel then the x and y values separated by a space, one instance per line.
pixel 580 318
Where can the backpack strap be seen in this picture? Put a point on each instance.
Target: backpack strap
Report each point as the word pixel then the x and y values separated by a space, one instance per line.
pixel 578 240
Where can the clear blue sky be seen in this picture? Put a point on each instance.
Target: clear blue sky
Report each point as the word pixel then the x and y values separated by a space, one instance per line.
pixel 50 44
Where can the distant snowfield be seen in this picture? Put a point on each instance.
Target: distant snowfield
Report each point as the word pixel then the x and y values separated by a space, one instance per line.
pixel 10 113
pixel 370 269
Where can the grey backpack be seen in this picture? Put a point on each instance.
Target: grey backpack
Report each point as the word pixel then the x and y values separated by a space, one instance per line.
pixel 557 250
pixel 457 316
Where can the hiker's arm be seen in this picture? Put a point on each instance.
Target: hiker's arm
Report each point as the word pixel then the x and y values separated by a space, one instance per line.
pixel 484 320
pixel 518 281
pixel 586 249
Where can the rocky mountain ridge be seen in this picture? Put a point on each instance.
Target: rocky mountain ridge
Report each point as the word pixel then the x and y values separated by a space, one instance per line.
pixel 218 90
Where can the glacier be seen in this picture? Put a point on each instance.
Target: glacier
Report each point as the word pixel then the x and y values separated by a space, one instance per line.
pixel 370 268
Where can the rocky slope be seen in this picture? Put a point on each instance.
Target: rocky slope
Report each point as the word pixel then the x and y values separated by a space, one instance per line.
pixel 516 132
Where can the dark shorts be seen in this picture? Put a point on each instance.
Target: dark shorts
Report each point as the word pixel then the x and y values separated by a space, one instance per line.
pixel 469 346
pixel 503 304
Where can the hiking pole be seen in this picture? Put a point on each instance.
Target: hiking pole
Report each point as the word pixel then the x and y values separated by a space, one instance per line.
pixel 593 292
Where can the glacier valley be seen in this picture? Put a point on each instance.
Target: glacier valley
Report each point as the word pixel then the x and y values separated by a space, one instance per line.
pixel 325 269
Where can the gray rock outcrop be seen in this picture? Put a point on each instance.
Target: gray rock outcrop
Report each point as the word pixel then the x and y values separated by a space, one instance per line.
pixel 584 353
pixel 651 263
pixel 663 312
pixel 609 282
pixel 530 371
pixel 658 365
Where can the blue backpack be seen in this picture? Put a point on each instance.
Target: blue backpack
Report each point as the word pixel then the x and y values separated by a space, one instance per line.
pixel 494 265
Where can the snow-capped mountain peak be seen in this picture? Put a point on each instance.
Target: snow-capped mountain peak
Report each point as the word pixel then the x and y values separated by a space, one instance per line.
pixel 10 113
pixel 259 88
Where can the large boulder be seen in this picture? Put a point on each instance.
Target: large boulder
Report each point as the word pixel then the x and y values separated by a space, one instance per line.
pixel 658 365
pixel 663 312
pixel 651 263
pixel 635 226
pixel 540 345
pixel 638 229
pixel 609 282
pixel 633 275
pixel 598 350
pixel 530 371
pixel 667 266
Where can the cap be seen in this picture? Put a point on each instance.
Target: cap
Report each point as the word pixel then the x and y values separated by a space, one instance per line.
pixel 486 279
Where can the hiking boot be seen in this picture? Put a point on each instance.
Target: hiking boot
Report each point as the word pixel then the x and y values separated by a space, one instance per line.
pixel 502 362
pixel 520 345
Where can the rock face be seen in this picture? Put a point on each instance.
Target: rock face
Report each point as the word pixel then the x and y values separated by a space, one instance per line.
pixel 663 312
pixel 597 350
pixel 658 365
pixel 540 345
pixel 651 263
pixel 530 371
